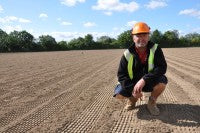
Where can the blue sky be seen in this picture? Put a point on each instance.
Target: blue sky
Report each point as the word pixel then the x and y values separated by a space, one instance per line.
pixel 67 19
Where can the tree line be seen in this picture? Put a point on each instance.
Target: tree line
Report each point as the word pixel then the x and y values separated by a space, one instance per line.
pixel 22 41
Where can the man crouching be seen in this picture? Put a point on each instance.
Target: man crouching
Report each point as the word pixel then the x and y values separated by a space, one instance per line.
pixel 142 68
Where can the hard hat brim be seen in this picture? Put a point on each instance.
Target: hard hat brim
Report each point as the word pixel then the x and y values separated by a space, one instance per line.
pixel 145 32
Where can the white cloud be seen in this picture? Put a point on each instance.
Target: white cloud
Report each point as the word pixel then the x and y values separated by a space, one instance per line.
pixel 1 9
pixel 131 23
pixel 190 12
pixel 9 29
pixel 43 15
pixel 156 4
pixel 10 19
pixel 22 20
pixel 115 5
pixel 66 23
pixel 197 30
pixel 108 13
pixel 89 24
pixel 71 2
pixel 31 31
pixel 67 36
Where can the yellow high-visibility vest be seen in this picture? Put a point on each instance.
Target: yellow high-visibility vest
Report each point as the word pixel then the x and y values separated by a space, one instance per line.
pixel 130 58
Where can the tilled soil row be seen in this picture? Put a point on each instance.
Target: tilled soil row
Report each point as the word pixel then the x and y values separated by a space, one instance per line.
pixel 34 85
pixel 92 99
pixel 186 75
pixel 46 83
pixel 188 54
pixel 38 77
pixel 184 62
pixel 49 109
pixel 48 66
pixel 188 68
pixel 191 90
pixel 65 83
pixel 87 119
pixel 27 61
pixel 45 97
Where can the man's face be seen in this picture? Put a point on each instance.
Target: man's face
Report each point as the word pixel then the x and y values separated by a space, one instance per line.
pixel 141 40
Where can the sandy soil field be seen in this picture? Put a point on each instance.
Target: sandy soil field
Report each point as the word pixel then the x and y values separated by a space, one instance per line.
pixel 71 91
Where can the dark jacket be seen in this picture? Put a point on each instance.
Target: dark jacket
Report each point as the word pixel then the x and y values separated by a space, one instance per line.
pixel 141 70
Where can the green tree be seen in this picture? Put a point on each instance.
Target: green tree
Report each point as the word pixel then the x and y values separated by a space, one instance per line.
pixel 20 41
pixel 114 44
pixel 156 36
pixel 89 42
pixel 14 42
pixel 3 41
pixel 184 42
pixel 171 38
pixel 125 39
pixel 62 45
pixel 105 42
pixel 193 38
pixel 26 40
pixel 48 42
pixel 78 43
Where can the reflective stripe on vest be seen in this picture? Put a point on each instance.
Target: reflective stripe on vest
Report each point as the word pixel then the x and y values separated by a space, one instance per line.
pixel 151 57
pixel 130 58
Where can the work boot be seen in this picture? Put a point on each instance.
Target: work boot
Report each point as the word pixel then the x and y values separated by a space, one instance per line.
pixel 130 103
pixel 152 107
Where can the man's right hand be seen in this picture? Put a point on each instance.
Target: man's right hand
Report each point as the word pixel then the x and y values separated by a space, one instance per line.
pixel 138 87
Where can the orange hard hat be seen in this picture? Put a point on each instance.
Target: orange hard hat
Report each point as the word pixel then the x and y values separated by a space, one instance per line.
pixel 140 27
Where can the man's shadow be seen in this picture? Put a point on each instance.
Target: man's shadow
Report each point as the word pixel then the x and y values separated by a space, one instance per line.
pixel 174 114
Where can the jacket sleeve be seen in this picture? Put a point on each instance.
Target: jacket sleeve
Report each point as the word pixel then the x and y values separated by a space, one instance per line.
pixel 160 66
pixel 122 74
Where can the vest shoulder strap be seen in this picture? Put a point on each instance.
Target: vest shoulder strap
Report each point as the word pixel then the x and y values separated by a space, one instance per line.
pixel 127 54
pixel 129 57
pixel 154 47
pixel 151 58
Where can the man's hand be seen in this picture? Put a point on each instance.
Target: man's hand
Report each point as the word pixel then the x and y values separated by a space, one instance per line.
pixel 138 87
